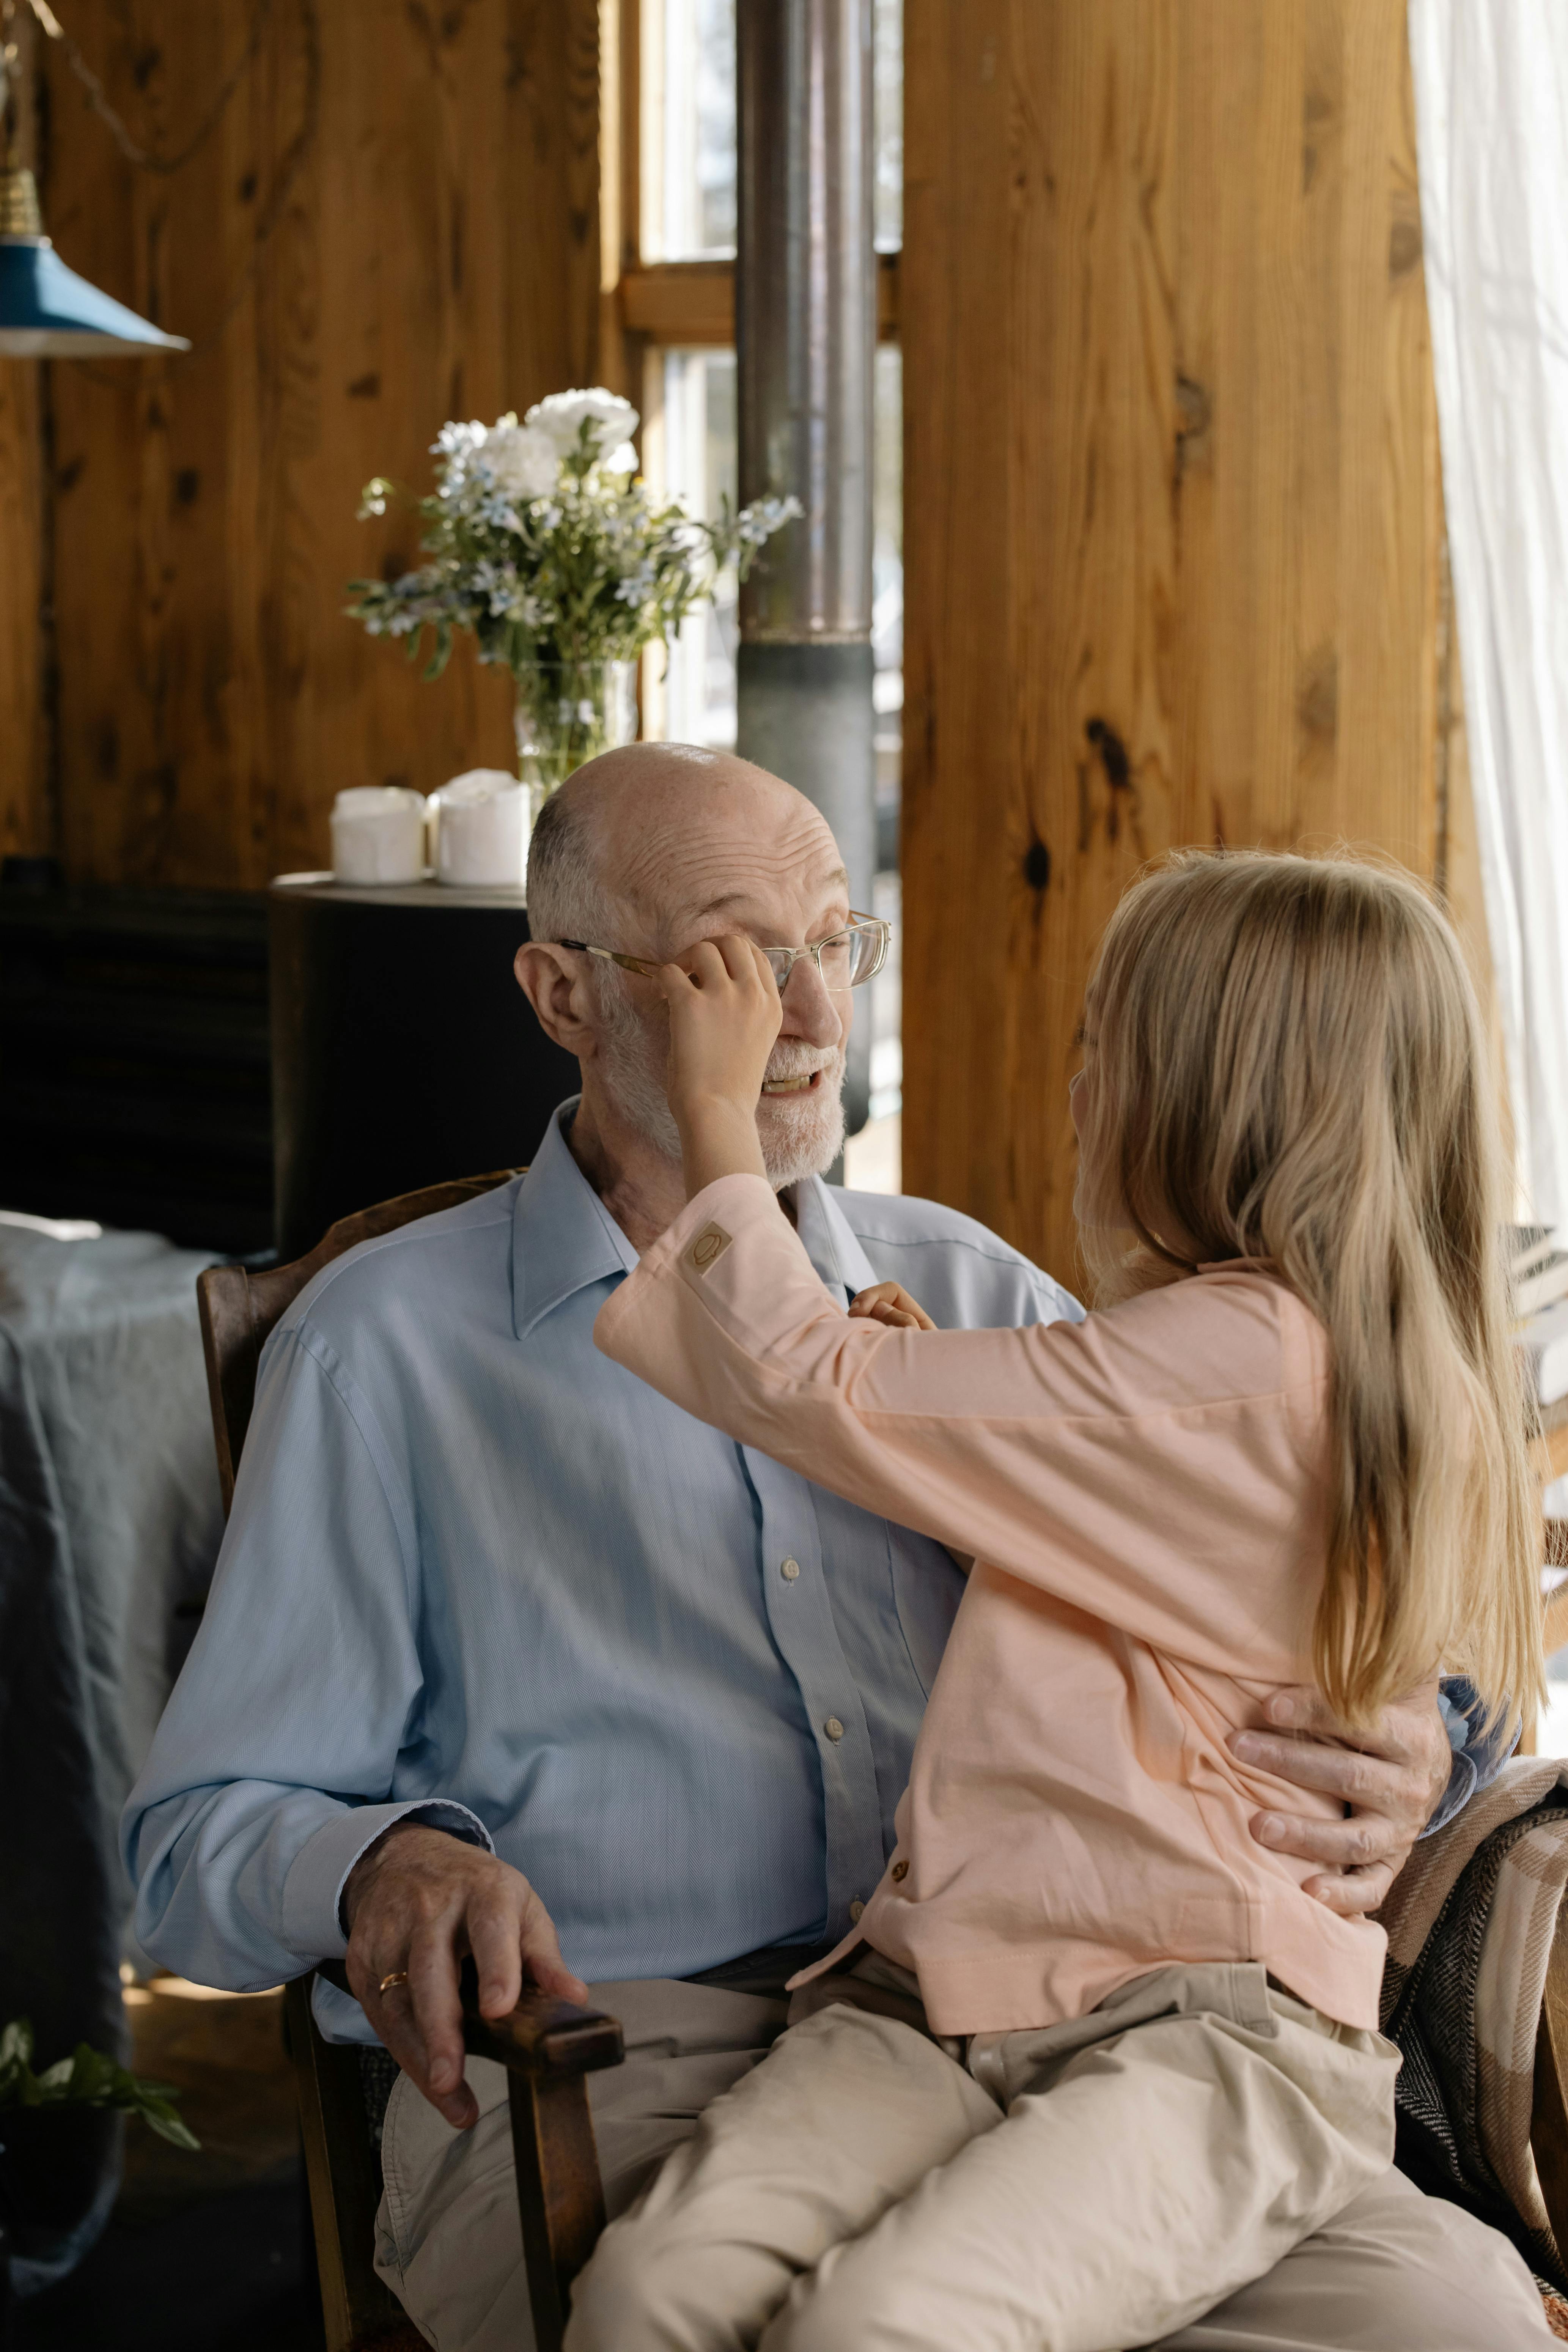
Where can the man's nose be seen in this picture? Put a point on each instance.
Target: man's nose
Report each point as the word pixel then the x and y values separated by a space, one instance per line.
pixel 813 1012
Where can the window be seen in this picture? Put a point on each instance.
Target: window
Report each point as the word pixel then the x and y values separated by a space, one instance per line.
pixel 670 212
pixel 888 121
pixel 687 129
pixel 687 209
pixel 689 452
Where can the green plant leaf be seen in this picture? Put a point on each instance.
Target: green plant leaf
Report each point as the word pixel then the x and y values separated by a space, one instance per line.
pixel 94 2077
pixel 441 652
pixel 168 2125
pixel 87 2078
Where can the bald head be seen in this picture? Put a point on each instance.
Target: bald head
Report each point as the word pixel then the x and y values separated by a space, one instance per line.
pixel 669 840
pixel 646 852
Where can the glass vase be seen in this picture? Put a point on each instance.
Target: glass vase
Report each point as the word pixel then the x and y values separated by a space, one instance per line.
pixel 567 712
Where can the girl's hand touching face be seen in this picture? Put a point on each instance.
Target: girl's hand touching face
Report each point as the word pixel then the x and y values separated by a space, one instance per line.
pixel 724 1016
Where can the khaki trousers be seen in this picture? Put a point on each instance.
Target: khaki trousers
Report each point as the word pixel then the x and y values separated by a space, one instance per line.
pixel 1390 2272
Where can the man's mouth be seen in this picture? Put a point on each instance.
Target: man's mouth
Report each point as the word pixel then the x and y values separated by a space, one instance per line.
pixel 800 1086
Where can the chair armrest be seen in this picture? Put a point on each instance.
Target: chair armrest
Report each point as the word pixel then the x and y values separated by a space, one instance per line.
pixel 542 2036
pixel 545 2039
pixel 547 2047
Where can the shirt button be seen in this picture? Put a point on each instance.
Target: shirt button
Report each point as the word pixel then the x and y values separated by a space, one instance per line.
pixel 856 1908
pixel 900 1870
pixel 789 1569
pixel 834 1728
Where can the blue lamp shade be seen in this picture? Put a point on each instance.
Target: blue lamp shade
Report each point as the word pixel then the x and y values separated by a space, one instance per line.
pixel 47 311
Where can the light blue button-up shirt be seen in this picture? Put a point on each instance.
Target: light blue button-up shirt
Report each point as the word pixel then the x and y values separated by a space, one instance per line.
pixel 477 1571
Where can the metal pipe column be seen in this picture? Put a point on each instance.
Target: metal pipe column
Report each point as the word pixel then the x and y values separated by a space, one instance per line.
pixel 805 333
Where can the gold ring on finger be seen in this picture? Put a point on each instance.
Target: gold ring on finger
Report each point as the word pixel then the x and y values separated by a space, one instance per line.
pixel 394 1976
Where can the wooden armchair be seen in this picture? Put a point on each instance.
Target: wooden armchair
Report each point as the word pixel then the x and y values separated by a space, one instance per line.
pixel 547 2046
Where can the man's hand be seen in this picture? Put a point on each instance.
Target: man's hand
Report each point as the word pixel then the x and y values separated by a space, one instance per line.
pixel 1390 1778
pixel 420 1900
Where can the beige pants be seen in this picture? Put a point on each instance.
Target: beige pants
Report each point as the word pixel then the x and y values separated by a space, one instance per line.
pixel 1392 2271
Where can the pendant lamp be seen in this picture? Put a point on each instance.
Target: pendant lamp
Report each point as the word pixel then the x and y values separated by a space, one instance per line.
pixel 47 311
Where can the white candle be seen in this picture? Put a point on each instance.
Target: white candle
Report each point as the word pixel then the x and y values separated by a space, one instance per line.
pixel 481 830
pixel 378 835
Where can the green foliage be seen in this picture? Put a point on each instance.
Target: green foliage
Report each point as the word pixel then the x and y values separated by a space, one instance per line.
pixel 86 2079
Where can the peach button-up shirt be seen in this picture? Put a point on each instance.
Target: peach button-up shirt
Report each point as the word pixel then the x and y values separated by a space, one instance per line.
pixel 1144 1496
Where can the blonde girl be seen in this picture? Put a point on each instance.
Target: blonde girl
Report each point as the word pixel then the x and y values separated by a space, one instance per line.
pixel 1092 2058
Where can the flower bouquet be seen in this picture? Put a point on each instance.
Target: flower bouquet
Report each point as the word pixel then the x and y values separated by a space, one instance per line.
pixel 542 541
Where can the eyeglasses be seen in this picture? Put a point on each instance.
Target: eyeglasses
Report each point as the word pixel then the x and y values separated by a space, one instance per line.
pixel 846 959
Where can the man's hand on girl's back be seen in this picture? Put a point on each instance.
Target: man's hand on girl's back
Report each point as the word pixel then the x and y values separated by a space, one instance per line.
pixel 1390 1780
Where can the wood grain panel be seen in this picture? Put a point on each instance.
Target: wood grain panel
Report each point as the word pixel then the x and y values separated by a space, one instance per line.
pixel 26 817
pixel 393 220
pixel 23 813
pixel 694 301
pixel 1175 515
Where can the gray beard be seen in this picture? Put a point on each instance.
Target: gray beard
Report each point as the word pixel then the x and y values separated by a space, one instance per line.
pixel 634 1056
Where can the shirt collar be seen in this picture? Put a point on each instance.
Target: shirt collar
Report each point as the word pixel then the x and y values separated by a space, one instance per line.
pixel 829 1243
pixel 564 1237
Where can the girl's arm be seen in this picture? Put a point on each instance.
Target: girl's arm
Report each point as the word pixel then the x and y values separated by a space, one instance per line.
pixel 1074 1457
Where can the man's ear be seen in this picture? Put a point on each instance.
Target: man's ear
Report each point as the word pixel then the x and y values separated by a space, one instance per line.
pixel 559 993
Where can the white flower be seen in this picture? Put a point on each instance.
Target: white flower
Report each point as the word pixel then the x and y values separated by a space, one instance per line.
pixel 459 440
pixel 522 463
pixel 506 493
pixel 615 420
pixel 756 523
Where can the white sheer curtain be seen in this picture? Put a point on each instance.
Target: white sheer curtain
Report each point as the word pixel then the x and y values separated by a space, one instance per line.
pixel 1491 109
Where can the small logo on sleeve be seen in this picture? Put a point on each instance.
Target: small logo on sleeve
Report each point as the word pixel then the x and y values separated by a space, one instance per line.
pixel 709 1247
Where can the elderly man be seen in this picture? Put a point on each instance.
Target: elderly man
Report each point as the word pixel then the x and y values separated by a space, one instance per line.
pixel 503 1648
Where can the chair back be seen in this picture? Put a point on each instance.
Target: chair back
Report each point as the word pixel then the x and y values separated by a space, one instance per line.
pixel 239 1308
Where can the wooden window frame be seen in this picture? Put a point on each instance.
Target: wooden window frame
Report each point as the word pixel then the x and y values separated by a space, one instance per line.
pixel 662 305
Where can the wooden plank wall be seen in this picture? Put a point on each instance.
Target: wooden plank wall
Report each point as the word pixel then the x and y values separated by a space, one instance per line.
pixel 24 756
pixel 24 822
pixel 392 220
pixel 1173 513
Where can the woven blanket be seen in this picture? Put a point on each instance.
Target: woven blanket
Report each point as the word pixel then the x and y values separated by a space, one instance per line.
pixel 1470 1921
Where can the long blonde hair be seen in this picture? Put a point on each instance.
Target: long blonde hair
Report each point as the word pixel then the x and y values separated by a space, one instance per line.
pixel 1288 1064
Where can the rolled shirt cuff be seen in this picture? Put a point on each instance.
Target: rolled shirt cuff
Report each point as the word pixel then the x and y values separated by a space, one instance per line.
pixel 1461 1787
pixel 1480 1752
pixel 313 1889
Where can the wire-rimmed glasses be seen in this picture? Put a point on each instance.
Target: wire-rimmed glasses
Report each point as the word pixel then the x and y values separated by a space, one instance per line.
pixel 846 958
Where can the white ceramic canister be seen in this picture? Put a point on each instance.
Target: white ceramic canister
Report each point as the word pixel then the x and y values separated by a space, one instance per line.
pixel 378 835
pixel 481 830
